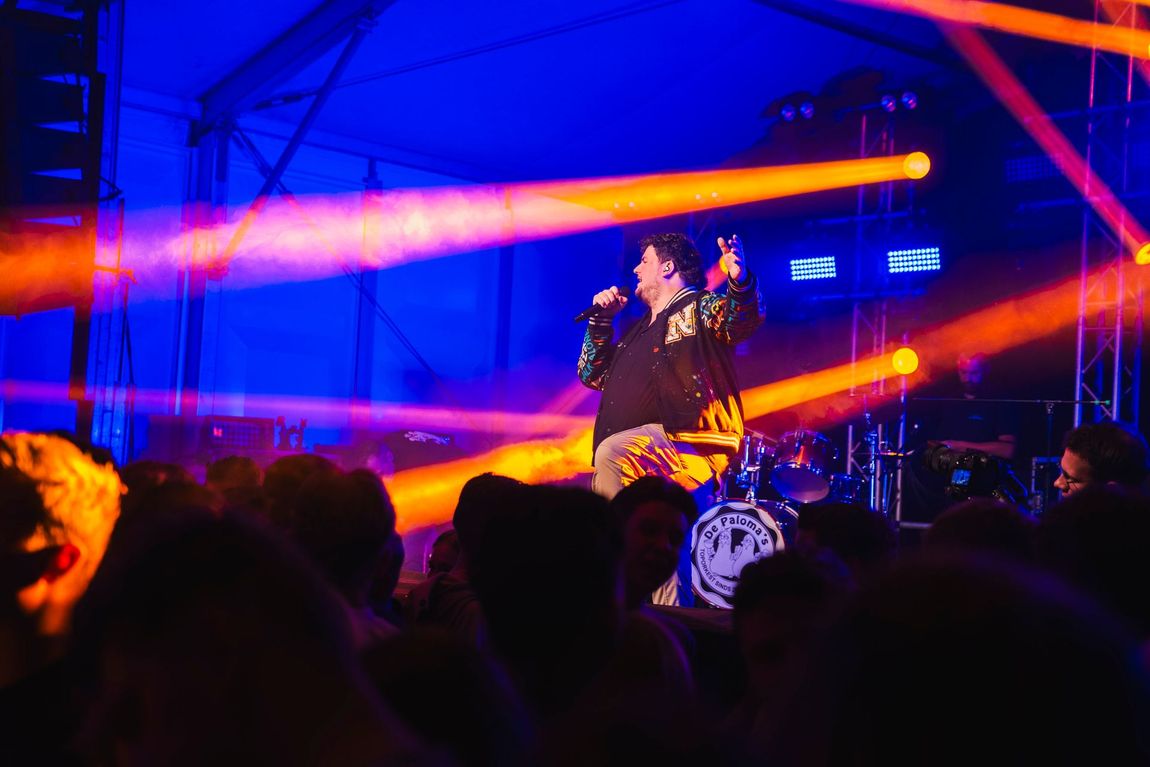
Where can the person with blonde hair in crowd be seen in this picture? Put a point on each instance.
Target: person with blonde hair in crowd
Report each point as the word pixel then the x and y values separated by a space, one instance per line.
pixel 58 507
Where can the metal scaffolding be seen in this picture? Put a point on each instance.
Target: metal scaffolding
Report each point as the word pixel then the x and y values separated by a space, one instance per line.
pixel 866 444
pixel 1110 315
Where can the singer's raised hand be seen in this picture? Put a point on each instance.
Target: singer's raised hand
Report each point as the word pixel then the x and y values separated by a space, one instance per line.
pixel 733 262
pixel 611 301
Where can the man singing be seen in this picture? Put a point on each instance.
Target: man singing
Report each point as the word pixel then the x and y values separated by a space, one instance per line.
pixel 670 402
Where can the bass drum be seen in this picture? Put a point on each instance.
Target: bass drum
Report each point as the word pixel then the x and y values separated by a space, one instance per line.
pixel 728 537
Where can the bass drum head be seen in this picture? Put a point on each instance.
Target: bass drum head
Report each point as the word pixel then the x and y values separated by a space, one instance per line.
pixel 729 536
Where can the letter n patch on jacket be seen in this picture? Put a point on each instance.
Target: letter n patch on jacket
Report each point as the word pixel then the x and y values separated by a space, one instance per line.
pixel 680 324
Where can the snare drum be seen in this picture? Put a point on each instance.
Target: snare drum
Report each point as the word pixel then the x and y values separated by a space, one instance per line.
pixel 730 536
pixel 802 462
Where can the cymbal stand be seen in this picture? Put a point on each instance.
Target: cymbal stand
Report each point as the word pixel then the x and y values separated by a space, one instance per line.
pixel 871 468
pixel 885 482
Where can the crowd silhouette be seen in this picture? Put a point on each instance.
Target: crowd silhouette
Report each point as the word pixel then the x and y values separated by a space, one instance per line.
pixel 257 618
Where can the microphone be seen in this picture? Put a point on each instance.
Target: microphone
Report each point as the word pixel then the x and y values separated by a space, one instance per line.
pixel 594 309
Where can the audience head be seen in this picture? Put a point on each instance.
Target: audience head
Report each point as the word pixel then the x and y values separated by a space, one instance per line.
pixel 984 525
pixel 1102 453
pixel 546 575
pixel 654 516
pixel 343 521
pixel 387 573
pixel 283 480
pixel 141 476
pixel 453 696
pixel 444 552
pixel 1099 539
pixel 781 605
pixel 218 643
pixel 234 471
pixel 481 497
pixel 863 539
pixel 67 532
pixel 969 658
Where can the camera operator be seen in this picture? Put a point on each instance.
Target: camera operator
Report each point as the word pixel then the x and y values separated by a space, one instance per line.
pixel 976 424
pixel 966 420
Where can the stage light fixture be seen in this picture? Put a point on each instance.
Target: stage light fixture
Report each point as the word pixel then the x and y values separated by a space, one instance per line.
pixel 1142 257
pixel 888 102
pixel 807 110
pixel 909 100
pixel 914 260
pixel 788 112
pixel 904 360
pixel 818 268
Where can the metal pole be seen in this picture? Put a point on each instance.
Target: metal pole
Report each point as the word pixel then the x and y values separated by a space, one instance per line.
pixel 294 143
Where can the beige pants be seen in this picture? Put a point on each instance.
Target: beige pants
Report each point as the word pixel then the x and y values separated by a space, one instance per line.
pixel 647 450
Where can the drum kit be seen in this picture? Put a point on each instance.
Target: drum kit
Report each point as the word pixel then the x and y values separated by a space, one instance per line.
pixel 758 506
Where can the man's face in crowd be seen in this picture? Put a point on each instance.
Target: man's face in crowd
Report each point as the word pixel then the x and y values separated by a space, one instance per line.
pixel 1075 473
pixel 652 537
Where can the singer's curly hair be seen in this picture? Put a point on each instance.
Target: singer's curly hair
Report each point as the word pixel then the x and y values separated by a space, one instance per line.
pixel 679 250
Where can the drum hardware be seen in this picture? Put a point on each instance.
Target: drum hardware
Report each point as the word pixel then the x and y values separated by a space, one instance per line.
pixel 796 467
pixel 802 463
pixel 875 457
pixel 847 488
pixel 754 454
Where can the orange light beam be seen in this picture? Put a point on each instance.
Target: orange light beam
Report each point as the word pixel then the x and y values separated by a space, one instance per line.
pixel 317 408
pixel 1024 22
pixel 1014 96
pixel 1122 12
pixel 427 495
pixel 289 239
pixel 642 197
pixel 422 224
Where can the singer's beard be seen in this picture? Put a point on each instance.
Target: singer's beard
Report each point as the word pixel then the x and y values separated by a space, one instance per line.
pixel 641 294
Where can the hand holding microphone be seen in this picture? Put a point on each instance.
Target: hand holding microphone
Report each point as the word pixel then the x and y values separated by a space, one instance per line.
pixel 607 303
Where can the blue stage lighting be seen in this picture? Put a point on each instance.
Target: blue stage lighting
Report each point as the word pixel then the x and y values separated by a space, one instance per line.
pixel 914 260
pixel 819 268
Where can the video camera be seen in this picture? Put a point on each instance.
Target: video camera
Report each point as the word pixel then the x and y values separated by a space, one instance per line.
pixel 974 474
